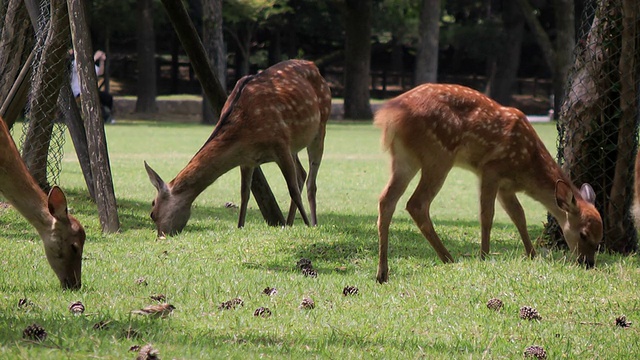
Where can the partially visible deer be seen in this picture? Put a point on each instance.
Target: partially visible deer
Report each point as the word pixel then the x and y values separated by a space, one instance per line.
pixel 62 235
pixel 434 127
pixel 269 116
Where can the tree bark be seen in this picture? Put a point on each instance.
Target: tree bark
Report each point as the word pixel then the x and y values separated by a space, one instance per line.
pixel 508 60
pixel 47 80
pixel 15 41
pixel 96 140
pixel 358 15
pixel 213 41
pixel 428 42
pixel 146 87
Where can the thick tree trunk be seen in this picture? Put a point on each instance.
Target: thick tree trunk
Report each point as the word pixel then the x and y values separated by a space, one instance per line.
pixel 213 42
pixel 146 87
pixel 428 41
pixel 357 59
pixel 508 59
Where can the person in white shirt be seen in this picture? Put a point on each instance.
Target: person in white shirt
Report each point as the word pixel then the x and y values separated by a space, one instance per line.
pixel 106 100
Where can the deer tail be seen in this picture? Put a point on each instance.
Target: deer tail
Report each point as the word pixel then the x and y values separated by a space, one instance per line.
pixel 386 119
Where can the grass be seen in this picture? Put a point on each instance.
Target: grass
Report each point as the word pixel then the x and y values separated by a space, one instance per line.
pixel 427 310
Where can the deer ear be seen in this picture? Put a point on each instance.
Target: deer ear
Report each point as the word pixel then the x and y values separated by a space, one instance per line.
pixel 57 203
pixel 587 193
pixel 565 198
pixel 155 179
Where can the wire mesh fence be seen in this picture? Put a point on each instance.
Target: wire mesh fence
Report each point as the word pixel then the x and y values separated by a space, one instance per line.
pixel 43 139
pixel 598 123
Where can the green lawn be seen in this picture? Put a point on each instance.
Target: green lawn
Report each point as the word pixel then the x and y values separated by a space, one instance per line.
pixel 427 310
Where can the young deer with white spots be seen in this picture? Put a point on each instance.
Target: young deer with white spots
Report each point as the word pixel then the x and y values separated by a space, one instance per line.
pixel 434 127
pixel 62 235
pixel 269 116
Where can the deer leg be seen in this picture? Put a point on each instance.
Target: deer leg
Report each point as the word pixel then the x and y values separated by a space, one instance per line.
pixel 286 162
pixel 488 192
pixel 302 175
pixel 512 206
pixel 246 174
pixel 420 203
pixel 401 175
pixel 315 151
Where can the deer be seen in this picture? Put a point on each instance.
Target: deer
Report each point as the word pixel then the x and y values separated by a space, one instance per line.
pixel 268 117
pixel 434 127
pixel 62 235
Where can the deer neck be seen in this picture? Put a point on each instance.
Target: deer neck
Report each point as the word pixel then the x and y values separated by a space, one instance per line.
pixel 26 197
pixel 215 159
pixel 543 188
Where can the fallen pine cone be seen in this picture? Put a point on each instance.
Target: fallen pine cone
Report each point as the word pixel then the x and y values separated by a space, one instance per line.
pixel 535 351
pixel 269 291
pixel 495 304
pixel 34 332
pixel 529 313
pixel 622 322
pixel 262 312
pixel 147 352
pixel 76 308
pixel 350 290
pixel 231 304
pixel 307 304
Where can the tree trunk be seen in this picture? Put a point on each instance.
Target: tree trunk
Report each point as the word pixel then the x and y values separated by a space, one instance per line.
pixel 428 42
pixel 47 80
pixel 146 88
pixel 564 45
pixel 96 140
pixel 599 119
pixel 213 42
pixel 357 59
pixel 506 65
pixel 15 41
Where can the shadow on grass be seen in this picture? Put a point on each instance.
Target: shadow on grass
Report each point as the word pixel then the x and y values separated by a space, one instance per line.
pixel 345 237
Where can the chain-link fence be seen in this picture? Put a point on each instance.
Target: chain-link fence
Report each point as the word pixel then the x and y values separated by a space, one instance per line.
pixel 598 125
pixel 37 50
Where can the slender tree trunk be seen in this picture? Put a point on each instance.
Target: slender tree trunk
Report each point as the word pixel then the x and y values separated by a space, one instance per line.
pixel 428 42
pixel 564 45
pixel 213 41
pixel 47 80
pixel 357 59
pixel 146 88
pixel 15 41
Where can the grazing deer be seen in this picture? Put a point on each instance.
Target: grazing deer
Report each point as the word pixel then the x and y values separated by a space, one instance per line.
pixel 269 116
pixel 62 235
pixel 434 127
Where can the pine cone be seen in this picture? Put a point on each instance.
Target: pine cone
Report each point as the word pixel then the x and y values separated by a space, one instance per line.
pixel 101 325
pixel 622 322
pixel 262 312
pixel 231 304
pixel 25 303
pixel 529 313
pixel 307 304
pixel 76 308
pixel 350 290
pixel 147 352
pixel 269 291
pixel 535 351
pixel 34 332
pixel 304 264
pixel 158 297
pixel 495 304
pixel 310 272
